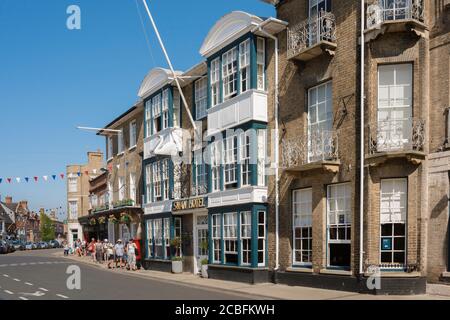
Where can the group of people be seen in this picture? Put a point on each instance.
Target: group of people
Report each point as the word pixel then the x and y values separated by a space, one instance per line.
pixel 115 255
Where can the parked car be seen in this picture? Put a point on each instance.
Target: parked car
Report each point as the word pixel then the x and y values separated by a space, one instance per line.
pixel 3 247
pixel 43 245
pixel 30 246
pixel 11 247
pixel 54 244
pixel 18 245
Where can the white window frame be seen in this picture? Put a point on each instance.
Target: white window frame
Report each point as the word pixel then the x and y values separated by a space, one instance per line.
pixel 132 189
pixel 167 238
pixel 156 113
pixel 148 182
pixel 261 162
pixel 165 109
pixel 246 237
pixel 216 152
pixel 215 82
pixel 302 222
pixel 201 174
pixel 158 230
pixel 229 74
pixel 245 157
pixel 230 235
pixel 394 211
pixel 244 65
pixel 201 98
pixel 122 188
pixel 230 151
pixel 320 120
pixel 165 178
pixel 73 204
pixel 339 205
pixel 394 107
pixel 110 147
pixel 216 236
pixel 261 63
pixel 73 184
pixel 176 107
pixel 133 134
pixel 148 118
pixel 262 237
pixel 120 142
pixel 150 240
pixel 110 193
pixel 156 181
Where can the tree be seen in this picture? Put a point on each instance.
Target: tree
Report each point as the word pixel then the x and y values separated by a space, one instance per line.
pixel 47 228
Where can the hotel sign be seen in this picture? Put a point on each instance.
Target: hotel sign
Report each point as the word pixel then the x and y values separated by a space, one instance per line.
pixel 194 203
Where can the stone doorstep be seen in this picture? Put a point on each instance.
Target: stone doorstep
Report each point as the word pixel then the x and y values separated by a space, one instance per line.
pixel 438 289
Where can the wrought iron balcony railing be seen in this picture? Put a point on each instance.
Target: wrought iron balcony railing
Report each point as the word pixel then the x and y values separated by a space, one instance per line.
pixel 318 146
pixel 393 10
pixel 397 135
pixel 311 32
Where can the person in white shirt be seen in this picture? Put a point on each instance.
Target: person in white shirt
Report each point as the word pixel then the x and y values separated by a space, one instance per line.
pixel 131 254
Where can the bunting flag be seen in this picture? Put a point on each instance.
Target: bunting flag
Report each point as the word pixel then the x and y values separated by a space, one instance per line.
pixel 46 178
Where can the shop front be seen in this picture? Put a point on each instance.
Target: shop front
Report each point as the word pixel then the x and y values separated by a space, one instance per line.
pixel 193 217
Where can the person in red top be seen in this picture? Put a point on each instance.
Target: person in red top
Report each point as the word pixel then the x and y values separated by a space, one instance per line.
pixel 91 249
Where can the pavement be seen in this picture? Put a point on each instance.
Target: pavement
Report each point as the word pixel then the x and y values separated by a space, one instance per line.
pixel 42 275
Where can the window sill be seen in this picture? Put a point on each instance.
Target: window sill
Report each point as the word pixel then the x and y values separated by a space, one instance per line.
pixel 336 272
pixel 110 159
pixel 132 148
pixel 121 154
pixel 445 274
pixel 396 274
pixel 300 269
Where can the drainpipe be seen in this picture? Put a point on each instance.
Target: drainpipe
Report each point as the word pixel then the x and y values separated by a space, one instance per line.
pixel 361 182
pixel 276 149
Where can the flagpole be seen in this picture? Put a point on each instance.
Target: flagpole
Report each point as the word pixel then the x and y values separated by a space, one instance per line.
pixel 170 65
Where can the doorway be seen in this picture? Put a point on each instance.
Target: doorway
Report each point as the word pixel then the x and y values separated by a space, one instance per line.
pixel 200 241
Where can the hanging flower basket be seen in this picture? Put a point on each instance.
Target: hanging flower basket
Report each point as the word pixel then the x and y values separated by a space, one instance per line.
pixel 125 218
pixel 92 222
pixel 112 218
pixel 102 220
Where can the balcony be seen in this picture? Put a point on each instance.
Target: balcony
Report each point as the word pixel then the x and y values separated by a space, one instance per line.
pixel 395 16
pixel 396 138
pixel 248 106
pixel 312 37
pixel 166 142
pixel 248 194
pixel 319 151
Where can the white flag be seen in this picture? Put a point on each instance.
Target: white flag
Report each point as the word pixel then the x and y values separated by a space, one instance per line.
pixel 18 180
pixel 45 178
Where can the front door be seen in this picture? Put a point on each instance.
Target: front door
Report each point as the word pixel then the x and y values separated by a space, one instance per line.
pixel 201 241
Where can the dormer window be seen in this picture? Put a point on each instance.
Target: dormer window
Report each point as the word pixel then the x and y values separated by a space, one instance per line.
pixel 229 74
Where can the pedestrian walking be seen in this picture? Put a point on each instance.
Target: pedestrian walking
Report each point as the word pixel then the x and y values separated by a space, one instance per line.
pixel 110 254
pixel 66 249
pixel 119 251
pixel 99 252
pixel 131 255
pixel 91 249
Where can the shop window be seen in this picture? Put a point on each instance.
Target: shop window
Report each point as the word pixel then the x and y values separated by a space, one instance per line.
pixel 216 237
pixel 246 238
pixel 261 238
pixel 230 237
pixel 166 236
pixel 158 233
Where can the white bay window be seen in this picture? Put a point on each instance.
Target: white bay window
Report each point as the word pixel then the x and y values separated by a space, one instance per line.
pixel 302 223
pixel 229 74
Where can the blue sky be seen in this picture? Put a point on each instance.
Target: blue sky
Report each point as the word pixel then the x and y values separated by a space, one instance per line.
pixel 53 79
